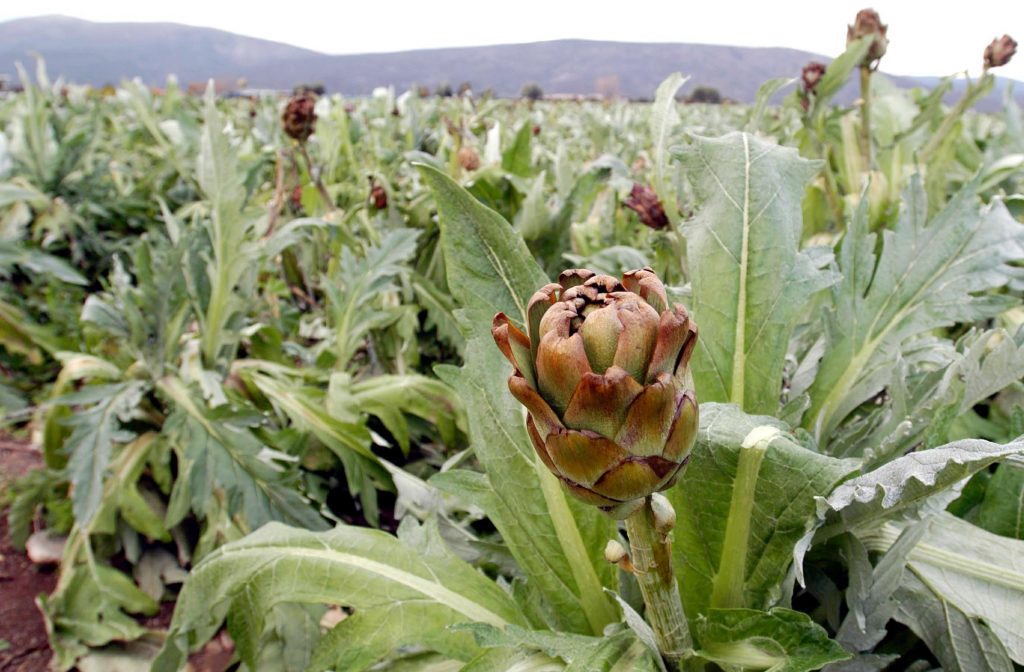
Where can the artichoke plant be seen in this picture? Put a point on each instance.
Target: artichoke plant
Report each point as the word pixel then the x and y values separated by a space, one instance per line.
pixel 603 373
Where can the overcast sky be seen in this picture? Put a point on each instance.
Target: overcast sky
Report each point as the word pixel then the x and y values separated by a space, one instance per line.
pixel 926 38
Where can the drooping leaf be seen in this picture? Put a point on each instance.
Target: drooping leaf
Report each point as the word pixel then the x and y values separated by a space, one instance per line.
pixel 750 281
pixel 361 568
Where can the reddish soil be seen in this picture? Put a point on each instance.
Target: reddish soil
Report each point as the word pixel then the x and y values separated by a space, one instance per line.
pixel 21 623
pixel 21 581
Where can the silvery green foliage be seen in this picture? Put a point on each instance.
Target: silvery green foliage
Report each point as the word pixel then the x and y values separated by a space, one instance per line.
pixel 750 280
pixel 929 274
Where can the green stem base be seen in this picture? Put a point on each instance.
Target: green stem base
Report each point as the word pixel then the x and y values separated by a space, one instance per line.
pixel 650 553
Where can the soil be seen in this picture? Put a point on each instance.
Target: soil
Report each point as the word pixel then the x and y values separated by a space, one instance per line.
pixel 21 623
pixel 23 640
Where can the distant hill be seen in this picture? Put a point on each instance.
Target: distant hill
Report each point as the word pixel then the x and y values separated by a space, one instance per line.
pixel 101 53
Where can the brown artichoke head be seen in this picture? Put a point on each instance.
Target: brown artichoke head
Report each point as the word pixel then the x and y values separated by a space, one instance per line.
pixel 811 75
pixel 868 23
pixel 603 373
pixel 999 52
pixel 299 117
pixel 646 204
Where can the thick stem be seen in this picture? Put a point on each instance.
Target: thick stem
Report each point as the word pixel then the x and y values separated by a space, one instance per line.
pixel 727 589
pixel 865 115
pixel 651 555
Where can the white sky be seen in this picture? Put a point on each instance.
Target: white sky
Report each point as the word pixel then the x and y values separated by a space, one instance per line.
pixel 926 38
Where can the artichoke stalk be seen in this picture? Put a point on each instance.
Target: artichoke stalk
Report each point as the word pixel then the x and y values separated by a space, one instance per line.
pixel 604 375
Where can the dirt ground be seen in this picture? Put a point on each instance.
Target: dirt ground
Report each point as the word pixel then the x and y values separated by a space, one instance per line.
pixel 21 624
pixel 23 643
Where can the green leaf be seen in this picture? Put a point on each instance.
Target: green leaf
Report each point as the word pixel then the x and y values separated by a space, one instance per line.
pixel 901 487
pixel 593 654
pixel 750 282
pixel 968 569
pixel 961 642
pixel 354 292
pixel 516 159
pixel 870 593
pixel 780 640
pixel 664 118
pixel 790 479
pixel 90 608
pixel 39 262
pixel 488 265
pixel 928 275
pixel 1002 509
pixel 91 443
pixel 357 567
pixel 222 458
pixel 764 96
pixel 557 541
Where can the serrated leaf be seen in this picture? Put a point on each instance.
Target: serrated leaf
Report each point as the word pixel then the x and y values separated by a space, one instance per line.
pixel 91 444
pixel 899 488
pixel 223 457
pixel 870 593
pixel 790 479
pixel 928 275
pixel 780 640
pixel 362 568
pixel 750 281
pixel 354 292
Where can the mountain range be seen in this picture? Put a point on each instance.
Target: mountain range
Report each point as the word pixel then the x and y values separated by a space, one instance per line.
pixel 101 53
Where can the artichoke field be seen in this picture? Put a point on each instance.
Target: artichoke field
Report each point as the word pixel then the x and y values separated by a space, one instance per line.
pixel 255 343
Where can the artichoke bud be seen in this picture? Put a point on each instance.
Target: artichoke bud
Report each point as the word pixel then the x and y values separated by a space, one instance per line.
pixel 603 371
pixel 869 24
pixel 999 52
pixel 299 117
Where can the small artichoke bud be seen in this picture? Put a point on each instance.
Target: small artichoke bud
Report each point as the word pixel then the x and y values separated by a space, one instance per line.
pixel 868 24
pixel 603 371
pixel 999 52
pixel 645 203
pixel 378 195
pixel 299 118
pixel 811 75
pixel 468 158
